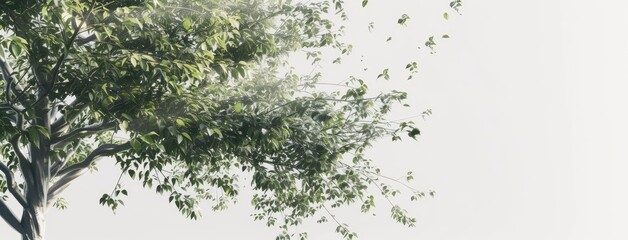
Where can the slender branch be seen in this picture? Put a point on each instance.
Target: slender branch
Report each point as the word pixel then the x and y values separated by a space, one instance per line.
pixel 8 107
pixel 25 165
pixel 7 73
pixel 12 185
pixel 10 218
pixel 23 91
pixel 364 172
pixel 96 127
pixel 334 218
pixel 280 164
pixel 85 40
pixel 57 166
pixel 184 8
pixel 380 189
pixel 328 84
pixel 55 69
pixel 68 44
pixel 8 79
pixel 11 84
pixel 61 125
pixel 74 171
pixel 61 141
pixel 104 150
pixel 115 187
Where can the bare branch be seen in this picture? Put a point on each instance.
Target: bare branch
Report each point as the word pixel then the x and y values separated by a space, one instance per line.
pixel 5 107
pixel 80 40
pixel 10 218
pixel 59 142
pixel 74 171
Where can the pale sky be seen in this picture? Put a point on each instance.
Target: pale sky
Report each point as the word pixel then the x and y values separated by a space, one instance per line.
pixel 528 138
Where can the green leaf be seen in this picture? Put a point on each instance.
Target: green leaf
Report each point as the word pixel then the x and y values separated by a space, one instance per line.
pixel 187 24
pixel 15 49
pixel 43 131
pixel 136 22
pixel 364 2
pixel 124 125
pixel 237 107
pixel 414 132
pixel 384 74
pixel 186 135
pixel 234 23
pixel 446 16
pixel 403 19
pixel 136 145
pixel 241 71
pixel 33 136
pixel 127 116
pixel 180 122
pixel 217 131
pixel 133 60
pixel 147 139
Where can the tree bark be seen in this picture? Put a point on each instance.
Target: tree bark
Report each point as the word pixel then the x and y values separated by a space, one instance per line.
pixel 33 217
pixel 34 228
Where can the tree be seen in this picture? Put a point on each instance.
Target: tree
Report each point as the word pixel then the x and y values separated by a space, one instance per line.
pixel 185 96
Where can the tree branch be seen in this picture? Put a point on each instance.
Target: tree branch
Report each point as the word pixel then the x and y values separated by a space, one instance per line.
pixel 7 73
pixel 10 218
pixel 59 142
pixel 74 171
pixel 80 40
pixel 11 85
pixel 57 166
pixel 25 165
pixel 57 66
pixel 61 125
pixel 8 107
pixel 12 185
pixel 55 69
pixel 104 150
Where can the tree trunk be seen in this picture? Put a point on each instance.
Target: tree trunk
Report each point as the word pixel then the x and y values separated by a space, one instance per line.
pixel 36 193
pixel 34 228
pixel 33 218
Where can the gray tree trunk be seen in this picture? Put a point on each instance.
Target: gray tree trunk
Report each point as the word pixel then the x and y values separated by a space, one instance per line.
pixel 34 229
pixel 36 190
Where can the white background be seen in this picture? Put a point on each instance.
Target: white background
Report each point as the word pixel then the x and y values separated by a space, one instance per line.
pixel 527 140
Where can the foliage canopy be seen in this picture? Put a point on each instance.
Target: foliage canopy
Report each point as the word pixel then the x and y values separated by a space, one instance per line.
pixel 185 96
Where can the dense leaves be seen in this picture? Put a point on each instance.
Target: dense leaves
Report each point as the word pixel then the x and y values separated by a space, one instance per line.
pixel 187 96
